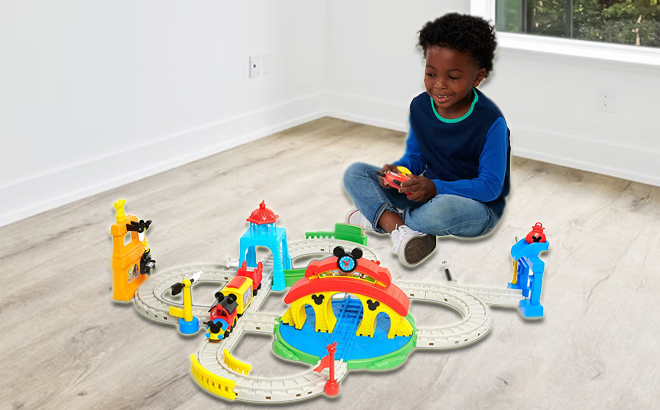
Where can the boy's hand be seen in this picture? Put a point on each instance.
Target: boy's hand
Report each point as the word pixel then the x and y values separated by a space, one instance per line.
pixel 387 168
pixel 422 188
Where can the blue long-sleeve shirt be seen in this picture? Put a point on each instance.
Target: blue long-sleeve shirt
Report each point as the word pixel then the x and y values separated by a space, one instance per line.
pixel 467 156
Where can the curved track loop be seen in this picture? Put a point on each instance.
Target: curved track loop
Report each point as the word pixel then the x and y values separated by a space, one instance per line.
pixel 476 323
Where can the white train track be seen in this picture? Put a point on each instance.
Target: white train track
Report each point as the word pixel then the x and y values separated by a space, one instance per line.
pixel 471 302
pixel 476 321
pixel 494 296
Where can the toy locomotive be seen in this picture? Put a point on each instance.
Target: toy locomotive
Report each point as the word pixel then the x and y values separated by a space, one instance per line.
pixel 232 300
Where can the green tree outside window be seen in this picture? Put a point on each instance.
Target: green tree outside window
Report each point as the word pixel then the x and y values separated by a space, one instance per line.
pixel 633 22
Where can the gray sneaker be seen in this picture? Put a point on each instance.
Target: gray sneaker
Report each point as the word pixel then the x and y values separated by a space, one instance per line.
pixel 412 246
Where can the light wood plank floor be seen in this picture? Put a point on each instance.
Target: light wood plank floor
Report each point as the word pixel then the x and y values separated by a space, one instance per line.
pixel 66 345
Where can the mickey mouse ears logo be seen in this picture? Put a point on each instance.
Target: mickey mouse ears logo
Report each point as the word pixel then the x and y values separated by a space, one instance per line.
pixel 339 251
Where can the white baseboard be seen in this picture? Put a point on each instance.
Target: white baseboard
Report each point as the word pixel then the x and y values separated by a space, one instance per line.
pixel 367 111
pixel 633 163
pixel 30 196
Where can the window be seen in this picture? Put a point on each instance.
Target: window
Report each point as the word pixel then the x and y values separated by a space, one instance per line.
pixel 631 22
pixel 513 32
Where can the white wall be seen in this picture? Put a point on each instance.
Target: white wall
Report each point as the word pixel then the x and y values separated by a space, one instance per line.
pixel 90 85
pixel 550 102
pixel 375 67
pixel 86 86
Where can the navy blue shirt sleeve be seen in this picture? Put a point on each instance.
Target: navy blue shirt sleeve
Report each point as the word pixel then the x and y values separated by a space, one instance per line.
pixel 492 168
pixel 412 159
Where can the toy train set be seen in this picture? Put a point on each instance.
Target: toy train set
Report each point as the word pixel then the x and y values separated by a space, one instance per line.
pixel 345 311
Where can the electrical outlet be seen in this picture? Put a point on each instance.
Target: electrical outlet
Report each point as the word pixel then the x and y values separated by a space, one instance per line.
pixel 607 100
pixel 255 66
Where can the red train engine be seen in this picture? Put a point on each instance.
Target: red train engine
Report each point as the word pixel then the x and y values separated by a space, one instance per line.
pixel 232 300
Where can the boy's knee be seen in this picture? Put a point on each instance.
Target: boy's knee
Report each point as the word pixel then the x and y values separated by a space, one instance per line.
pixel 459 216
pixel 450 210
pixel 447 205
pixel 356 169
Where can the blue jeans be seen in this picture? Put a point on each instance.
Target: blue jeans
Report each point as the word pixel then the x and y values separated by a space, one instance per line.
pixel 441 216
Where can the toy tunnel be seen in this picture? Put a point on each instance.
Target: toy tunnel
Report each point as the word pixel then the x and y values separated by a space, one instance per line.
pixel 326 319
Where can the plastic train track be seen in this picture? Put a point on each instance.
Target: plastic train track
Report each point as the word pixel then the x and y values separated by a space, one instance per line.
pixel 470 301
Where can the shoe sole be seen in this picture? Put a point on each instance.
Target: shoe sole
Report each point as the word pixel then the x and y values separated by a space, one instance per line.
pixel 417 249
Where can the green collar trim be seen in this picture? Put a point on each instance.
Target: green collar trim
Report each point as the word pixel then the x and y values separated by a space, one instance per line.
pixel 467 114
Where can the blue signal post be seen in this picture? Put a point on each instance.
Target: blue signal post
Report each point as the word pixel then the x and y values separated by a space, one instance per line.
pixel 528 276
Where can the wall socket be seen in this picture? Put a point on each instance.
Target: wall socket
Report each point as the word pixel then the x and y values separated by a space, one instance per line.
pixel 255 65
pixel 607 100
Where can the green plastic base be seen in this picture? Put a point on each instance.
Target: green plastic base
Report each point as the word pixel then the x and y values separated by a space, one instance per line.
pixel 385 362
pixel 343 232
pixel 291 276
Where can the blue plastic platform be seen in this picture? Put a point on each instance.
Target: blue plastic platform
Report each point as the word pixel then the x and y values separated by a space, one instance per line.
pixel 189 328
pixel 349 346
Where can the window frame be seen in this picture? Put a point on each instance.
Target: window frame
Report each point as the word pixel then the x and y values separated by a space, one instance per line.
pixel 565 46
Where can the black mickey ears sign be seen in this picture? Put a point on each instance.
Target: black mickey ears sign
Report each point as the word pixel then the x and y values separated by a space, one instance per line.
pixel 356 253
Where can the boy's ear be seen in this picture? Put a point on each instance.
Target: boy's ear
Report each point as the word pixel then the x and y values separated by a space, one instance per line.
pixel 480 77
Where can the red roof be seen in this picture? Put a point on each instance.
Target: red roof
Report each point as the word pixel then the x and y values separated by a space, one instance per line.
pixel 365 266
pixel 262 215
pixel 236 282
pixel 391 295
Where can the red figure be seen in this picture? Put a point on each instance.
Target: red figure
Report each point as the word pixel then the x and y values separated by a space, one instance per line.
pixel 331 386
pixel 536 235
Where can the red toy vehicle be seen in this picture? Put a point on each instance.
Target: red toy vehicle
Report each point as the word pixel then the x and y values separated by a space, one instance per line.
pixel 255 275
pixel 393 179
pixel 232 300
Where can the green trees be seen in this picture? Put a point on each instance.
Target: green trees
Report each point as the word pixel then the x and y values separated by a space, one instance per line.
pixel 634 22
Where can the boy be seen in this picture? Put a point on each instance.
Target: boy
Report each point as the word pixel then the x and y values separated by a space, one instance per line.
pixel 457 149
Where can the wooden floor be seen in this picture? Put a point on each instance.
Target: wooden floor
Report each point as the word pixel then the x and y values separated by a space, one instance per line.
pixel 66 345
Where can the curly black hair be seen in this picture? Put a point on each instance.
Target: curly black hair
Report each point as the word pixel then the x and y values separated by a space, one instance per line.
pixel 463 33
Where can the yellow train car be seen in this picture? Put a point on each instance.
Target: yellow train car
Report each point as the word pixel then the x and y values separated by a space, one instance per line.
pixel 241 287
